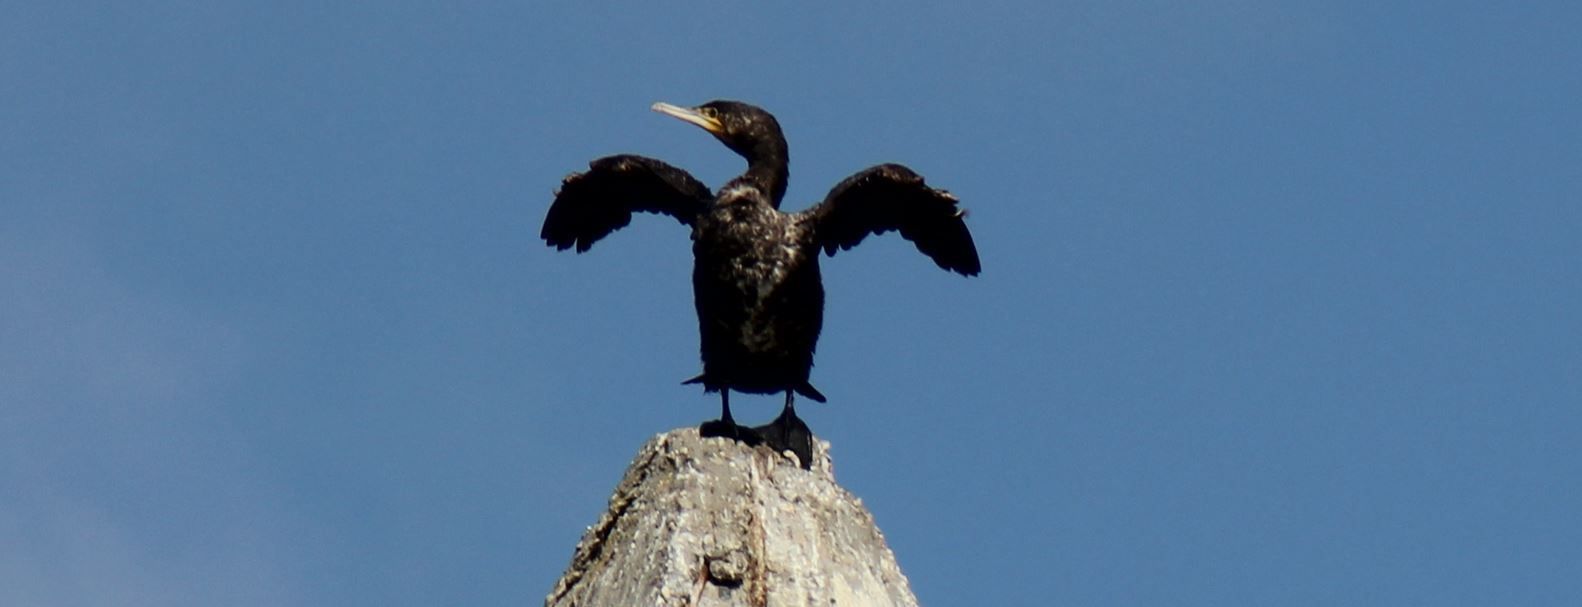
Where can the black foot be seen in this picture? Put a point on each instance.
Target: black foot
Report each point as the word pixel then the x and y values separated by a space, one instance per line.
pixel 725 428
pixel 789 433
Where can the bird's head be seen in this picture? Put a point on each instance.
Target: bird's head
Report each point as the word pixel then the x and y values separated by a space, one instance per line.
pixel 746 129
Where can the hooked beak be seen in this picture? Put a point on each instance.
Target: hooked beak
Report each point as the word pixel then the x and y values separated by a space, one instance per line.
pixel 690 115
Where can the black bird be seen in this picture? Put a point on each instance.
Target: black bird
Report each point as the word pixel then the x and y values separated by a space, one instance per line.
pixel 755 275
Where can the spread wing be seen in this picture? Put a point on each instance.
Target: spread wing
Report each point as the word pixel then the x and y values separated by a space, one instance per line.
pixel 892 197
pixel 591 205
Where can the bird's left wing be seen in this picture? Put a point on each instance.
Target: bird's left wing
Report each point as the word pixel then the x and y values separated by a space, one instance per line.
pixel 892 197
pixel 590 205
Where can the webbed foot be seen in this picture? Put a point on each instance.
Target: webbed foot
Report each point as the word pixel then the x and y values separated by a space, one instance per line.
pixel 726 428
pixel 789 433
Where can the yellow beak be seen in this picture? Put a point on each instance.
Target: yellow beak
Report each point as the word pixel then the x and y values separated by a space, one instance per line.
pixel 709 124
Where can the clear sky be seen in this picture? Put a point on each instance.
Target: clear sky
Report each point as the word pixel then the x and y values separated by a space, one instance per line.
pixel 1279 302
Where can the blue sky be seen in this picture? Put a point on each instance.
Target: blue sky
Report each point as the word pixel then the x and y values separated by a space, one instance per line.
pixel 1278 302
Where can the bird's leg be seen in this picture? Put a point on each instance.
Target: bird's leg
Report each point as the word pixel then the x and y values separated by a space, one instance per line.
pixel 725 426
pixel 789 433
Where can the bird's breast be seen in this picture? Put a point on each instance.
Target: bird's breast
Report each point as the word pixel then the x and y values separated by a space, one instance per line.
pixel 756 284
pixel 750 249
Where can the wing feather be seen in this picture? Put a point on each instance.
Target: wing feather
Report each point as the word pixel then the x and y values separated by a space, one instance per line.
pixel 591 205
pixel 892 197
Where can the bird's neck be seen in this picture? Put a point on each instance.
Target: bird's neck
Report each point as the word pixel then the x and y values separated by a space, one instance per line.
pixel 768 166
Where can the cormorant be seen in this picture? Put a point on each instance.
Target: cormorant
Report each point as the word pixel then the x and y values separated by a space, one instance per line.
pixel 755 277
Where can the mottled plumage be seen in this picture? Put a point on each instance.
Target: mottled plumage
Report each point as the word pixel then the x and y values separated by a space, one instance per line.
pixel 756 282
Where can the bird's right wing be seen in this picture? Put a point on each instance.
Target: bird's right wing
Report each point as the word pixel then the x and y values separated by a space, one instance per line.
pixel 590 205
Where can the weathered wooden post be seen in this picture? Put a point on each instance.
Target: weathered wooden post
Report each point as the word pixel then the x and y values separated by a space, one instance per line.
pixel 711 522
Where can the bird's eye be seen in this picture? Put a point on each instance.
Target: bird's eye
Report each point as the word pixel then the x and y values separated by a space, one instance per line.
pixel 708 112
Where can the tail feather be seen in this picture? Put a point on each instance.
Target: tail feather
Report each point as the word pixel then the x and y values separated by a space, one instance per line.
pixel 807 389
